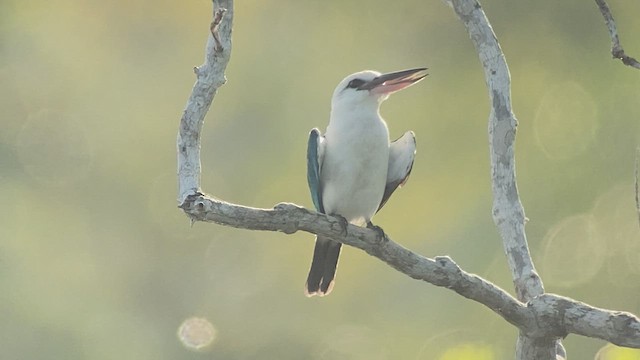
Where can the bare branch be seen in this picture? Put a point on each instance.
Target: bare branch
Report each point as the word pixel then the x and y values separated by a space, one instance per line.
pixel 210 76
pixel 547 316
pixel 289 218
pixel 617 327
pixel 508 213
pixel 616 49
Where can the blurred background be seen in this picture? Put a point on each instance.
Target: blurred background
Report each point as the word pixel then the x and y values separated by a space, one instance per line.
pixel 97 262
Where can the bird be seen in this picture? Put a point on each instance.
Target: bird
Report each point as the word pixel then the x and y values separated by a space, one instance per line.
pixel 353 168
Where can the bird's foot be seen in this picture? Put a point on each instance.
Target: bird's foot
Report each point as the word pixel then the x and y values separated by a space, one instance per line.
pixel 343 223
pixel 381 235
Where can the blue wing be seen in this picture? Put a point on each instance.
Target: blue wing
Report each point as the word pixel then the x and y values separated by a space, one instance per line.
pixel 326 252
pixel 315 154
pixel 402 152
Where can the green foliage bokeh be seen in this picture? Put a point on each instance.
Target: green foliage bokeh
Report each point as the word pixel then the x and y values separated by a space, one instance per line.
pixel 97 262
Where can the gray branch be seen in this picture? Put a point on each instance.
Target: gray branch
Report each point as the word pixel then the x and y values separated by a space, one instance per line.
pixel 210 77
pixel 618 53
pixel 616 49
pixel 546 316
pixel 508 213
pixel 541 318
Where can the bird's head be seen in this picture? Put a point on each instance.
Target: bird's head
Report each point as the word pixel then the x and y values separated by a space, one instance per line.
pixel 370 88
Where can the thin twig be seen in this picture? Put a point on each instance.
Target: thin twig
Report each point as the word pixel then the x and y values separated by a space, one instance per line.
pixel 616 49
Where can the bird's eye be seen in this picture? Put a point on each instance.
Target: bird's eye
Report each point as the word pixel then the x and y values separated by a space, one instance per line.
pixel 355 83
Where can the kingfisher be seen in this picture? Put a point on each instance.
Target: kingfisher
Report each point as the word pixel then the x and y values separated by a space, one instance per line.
pixel 353 168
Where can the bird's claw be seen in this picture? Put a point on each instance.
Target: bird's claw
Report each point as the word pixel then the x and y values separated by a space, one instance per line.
pixel 343 223
pixel 381 235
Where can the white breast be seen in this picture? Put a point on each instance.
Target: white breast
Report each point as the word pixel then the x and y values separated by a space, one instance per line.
pixel 354 169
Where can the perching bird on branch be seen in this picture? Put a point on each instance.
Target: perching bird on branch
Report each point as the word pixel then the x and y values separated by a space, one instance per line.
pixel 353 169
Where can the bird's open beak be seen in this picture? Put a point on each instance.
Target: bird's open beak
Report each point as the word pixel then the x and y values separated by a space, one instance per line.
pixel 395 81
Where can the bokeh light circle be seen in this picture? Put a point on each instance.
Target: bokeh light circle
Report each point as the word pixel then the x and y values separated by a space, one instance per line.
pixel 196 333
pixel 573 252
pixel 616 220
pixel 566 121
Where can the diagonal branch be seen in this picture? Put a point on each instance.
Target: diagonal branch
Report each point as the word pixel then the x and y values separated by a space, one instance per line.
pixel 616 49
pixel 545 316
pixel 290 218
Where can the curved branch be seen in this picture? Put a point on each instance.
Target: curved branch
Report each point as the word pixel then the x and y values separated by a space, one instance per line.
pixel 616 49
pixel 508 213
pixel 210 77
